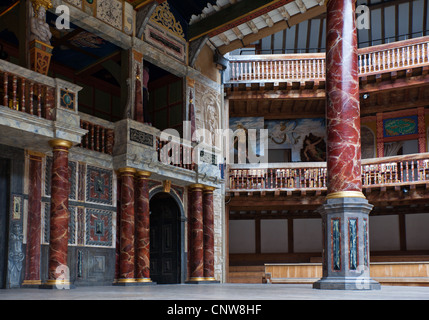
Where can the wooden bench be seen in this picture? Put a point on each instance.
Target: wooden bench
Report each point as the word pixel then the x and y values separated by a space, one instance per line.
pixel 411 273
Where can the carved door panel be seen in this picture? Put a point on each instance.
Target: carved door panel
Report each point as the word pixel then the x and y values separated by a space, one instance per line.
pixel 164 242
pixel 4 193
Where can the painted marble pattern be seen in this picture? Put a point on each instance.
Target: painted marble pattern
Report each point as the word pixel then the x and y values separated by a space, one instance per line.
pixel 353 244
pixel 142 230
pixel 208 234
pixel 110 11
pixel 118 226
pixel 34 219
pixel 98 227
pixel 127 251
pixel 197 236
pixel 336 244
pixel 343 110
pixel 59 219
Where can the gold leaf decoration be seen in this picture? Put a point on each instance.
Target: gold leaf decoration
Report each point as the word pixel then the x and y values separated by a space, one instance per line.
pixel 163 16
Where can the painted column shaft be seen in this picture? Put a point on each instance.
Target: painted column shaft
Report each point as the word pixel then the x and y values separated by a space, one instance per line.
pixel 59 221
pixel 208 234
pixel 32 269
pixel 197 236
pixel 343 108
pixel 142 228
pixel 127 251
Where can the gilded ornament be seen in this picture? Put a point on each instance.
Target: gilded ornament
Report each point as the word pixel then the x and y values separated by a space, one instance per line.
pixel 163 16
pixel 47 4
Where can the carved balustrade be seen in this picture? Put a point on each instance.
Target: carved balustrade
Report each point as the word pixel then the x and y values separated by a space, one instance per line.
pixel 311 66
pixel 409 170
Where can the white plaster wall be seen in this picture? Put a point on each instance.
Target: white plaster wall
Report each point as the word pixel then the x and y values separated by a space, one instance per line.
pixel 274 236
pixel 307 235
pixel 417 231
pixel 384 233
pixel 242 236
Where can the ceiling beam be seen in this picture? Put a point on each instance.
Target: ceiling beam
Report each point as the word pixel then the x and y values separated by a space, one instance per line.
pixel 233 16
pixel 279 26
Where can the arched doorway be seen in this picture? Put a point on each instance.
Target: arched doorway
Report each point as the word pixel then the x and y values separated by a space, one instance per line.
pixel 165 240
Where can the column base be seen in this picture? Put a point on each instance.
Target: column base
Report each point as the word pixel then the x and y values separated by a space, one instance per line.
pixel 28 284
pixel 133 282
pixel 57 285
pixel 202 280
pixel 349 283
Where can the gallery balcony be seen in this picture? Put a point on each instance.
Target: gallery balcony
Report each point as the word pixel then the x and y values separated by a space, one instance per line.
pixel 392 58
pixel 128 143
pixel 388 180
pixel 35 109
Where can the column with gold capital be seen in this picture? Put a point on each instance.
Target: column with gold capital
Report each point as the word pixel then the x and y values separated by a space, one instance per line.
pixel 196 247
pixel 127 226
pixel 208 230
pixel 345 214
pixel 58 271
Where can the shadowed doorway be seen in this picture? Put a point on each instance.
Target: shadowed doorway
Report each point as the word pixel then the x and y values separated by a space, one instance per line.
pixel 164 239
pixel 4 195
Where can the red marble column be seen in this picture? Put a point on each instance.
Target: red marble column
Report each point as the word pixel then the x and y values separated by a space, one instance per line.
pixel 142 228
pixel 196 259
pixel 208 234
pixel 59 221
pixel 118 227
pixel 32 264
pixel 343 109
pixel 127 251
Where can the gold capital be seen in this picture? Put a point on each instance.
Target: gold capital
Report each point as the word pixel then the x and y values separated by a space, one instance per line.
pixel 346 194
pixel 209 189
pixel 131 171
pixel 196 186
pixel 60 143
pixel 143 174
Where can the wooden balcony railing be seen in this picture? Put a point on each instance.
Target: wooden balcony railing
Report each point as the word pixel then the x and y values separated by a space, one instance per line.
pixel 311 67
pixel 380 172
pixel 177 154
pixel 27 91
pixel 100 136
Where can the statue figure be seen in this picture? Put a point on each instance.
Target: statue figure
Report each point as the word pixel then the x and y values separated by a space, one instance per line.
pixel 39 28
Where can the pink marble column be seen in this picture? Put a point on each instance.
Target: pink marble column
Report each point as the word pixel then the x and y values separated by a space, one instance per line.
pixel 59 221
pixel 32 264
pixel 127 251
pixel 208 234
pixel 142 228
pixel 343 109
pixel 196 250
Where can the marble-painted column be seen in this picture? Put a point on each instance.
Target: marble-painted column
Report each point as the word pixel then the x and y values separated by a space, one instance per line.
pixel 142 228
pixel 118 227
pixel 196 248
pixel 58 272
pixel 32 263
pixel 127 227
pixel 208 219
pixel 345 212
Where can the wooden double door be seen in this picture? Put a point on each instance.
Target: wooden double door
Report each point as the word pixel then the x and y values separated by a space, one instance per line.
pixel 165 249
